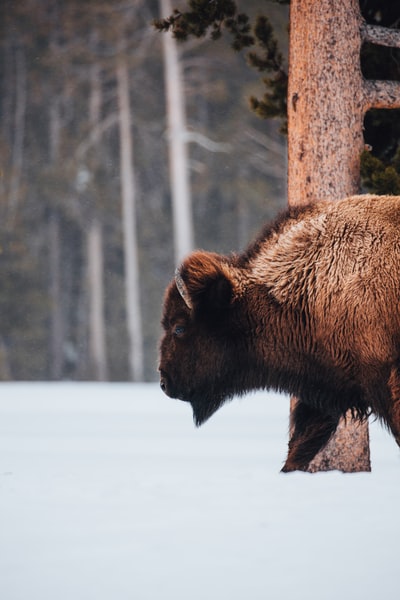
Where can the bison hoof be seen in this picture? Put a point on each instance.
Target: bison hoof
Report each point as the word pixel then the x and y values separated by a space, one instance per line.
pixel 289 468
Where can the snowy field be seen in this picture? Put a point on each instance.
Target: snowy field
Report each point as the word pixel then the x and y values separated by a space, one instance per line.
pixel 108 492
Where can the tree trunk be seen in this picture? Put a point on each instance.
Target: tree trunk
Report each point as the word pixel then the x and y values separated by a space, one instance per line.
pixel 57 327
pixel 57 318
pixel 19 131
pixel 131 257
pixel 325 141
pixel 177 144
pixel 5 367
pixel 97 335
pixel 325 100
pixel 97 345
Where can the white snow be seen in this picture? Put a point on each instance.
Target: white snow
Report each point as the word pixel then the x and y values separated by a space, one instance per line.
pixel 108 492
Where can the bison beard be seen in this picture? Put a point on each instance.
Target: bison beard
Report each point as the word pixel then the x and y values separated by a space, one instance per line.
pixel 311 308
pixel 204 408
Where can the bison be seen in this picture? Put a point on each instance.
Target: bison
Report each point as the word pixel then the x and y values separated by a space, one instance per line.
pixel 310 308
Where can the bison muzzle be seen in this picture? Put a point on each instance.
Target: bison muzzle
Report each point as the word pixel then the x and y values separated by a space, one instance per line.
pixel 311 308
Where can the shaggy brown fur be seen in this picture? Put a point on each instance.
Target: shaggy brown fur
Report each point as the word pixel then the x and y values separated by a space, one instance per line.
pixel 312 308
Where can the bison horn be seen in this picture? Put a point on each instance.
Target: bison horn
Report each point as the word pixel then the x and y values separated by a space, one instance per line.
pixel 182 289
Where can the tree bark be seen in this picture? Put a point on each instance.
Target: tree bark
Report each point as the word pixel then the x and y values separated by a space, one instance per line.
pixel 56 312
pixel 326 106
pixel 19 131
pixel 57 317
pixel 97 330
pixel 325 100
pixel 381 94
pixel 382 36
pixel 177 145
pixel 5 368
pixel 97 336
pixel 131 257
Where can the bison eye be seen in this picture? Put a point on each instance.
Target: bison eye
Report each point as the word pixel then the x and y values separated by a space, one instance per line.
pixel 179 330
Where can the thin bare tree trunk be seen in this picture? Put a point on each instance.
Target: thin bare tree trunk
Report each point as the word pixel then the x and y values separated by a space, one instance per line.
pixel 19 131
pixel 57 327
pixel 97 345
pixel 132 279
pixel 177 145
pixel 57 319
pixel 57 312
pixel 5 367
pixel 97 330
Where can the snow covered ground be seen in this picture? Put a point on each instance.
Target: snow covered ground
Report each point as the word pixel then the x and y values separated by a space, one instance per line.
pixel 108 492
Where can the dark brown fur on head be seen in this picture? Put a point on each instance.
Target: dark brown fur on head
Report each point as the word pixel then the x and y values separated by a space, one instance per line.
pixel 201 348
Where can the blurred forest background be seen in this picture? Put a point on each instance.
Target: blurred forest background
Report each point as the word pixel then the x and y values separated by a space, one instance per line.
pixel 86 224
pixel 62 238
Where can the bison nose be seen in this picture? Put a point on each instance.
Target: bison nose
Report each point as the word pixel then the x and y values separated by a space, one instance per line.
pixel 163 382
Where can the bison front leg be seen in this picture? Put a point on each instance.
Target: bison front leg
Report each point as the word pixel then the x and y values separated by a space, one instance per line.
pixel 311 431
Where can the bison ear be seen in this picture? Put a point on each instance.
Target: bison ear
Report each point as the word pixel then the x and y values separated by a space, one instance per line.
pixel 204 283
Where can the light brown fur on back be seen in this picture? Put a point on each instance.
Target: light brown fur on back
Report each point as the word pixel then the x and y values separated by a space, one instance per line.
pixel 342 263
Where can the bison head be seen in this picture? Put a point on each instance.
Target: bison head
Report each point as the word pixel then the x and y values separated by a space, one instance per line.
pixel 200 352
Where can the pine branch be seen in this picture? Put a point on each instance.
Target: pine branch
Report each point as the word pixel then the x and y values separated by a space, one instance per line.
pixel 381 94
pixel 213 17
pixel 206 16
pixel 378 177
pixel 382 36
pixel 206 142
pixel 273 104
